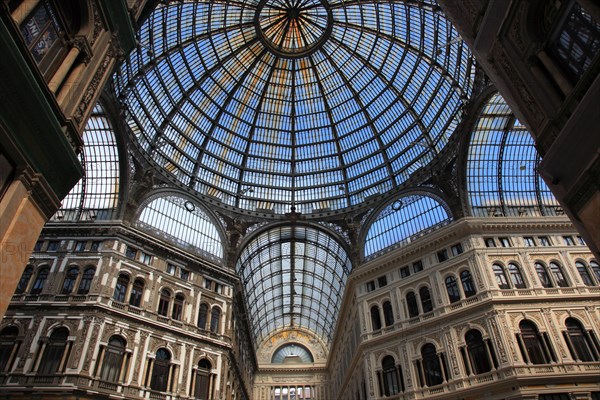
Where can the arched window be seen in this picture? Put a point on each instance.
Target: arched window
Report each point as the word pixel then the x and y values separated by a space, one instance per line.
pixel 178 307
pixel 53 352
pixel 215 318
pixel 531 344
pixel 542 274
pixel 411 303
pixel 375 318
pixel 586 278
pixel 500 276
pixel 596 270
pixel 8 347
pixel 164 302
pixel 40 280
pixel 121 288
pixel 160 370
pixel 478 354
pixel 579 342
pixel 203 378
pixel 467 283
pixel 70 279
pixel 137 291
pixel 515 276
pixel 388 313
pixel 558 274
pixel 86 280
pixel 452 289
pixel 113 359
pixel 391 377
pixel 24 281
pixel 426 302
pixel 182 222
pixel 405 218
pixel 431 365
pixel 202 316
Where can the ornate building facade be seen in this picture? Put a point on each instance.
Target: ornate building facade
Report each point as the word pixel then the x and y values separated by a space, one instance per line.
pixel 285 200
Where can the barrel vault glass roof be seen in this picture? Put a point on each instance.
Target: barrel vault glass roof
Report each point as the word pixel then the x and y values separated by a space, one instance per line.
pixel 313 103
pixel 293 276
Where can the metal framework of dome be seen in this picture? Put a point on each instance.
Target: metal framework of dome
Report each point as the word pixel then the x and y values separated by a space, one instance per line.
pixel 316 104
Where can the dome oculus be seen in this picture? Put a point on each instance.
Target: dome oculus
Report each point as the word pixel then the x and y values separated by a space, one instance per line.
pixel 293 28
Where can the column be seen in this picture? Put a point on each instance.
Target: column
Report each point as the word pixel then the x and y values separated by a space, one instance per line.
pixel 149 363
pixel 488 353
pixel 63 70
pixel 63 361
pixel 102 351
pixel 40 353
pixel 124 363
pixel 523 348
pixel 23 11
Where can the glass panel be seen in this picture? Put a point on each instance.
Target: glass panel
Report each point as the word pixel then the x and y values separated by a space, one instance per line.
pixel 405 219
pixel 452 289
pixel 70 279
pixel 577 40
pixel 182 222
pixel 96 195
pixel 467 284
pixel 502 177
pixel 293 275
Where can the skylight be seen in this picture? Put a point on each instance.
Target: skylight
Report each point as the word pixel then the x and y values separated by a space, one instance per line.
pixel 317 104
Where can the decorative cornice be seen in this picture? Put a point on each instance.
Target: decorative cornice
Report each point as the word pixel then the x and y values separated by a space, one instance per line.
pixel 39 190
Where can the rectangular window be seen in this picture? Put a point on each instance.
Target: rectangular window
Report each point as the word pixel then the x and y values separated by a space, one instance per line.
pixel 417 266
pixel 505 242
pixel 580 240
pixel 130 252
pixel 218 287
pixel 529 241
pixel 207 283
pixel 38 245
pixel 404 272
pixel 382 281
pixel 442 255
pixel 457 249
pixel 53 245
pixel 545 241
pixel 171 269
pixel 145 258
pixel 80 246
pixel 370 286
pixel 184 274
pixel 568 241
pixel 95 245
pixel 490 242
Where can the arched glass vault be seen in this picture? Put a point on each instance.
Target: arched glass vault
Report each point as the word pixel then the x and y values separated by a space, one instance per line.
pixel 502 167
pixel 96 195
pixel 318 104
pixel 293 276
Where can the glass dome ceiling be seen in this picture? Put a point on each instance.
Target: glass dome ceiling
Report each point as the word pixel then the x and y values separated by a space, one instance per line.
pixel 313 103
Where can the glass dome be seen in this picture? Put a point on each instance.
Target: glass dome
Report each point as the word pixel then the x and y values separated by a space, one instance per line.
pixel 313 103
